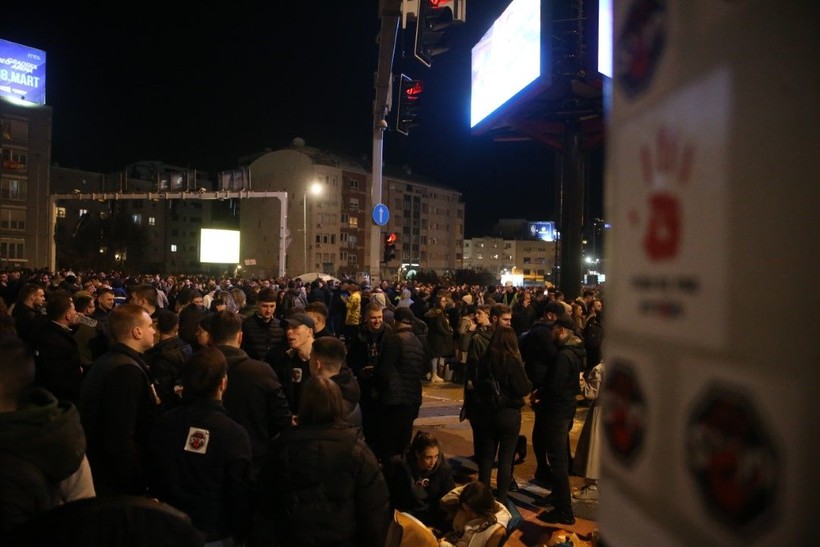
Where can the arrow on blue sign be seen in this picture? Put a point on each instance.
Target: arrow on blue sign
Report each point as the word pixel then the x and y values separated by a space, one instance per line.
pixel 381 214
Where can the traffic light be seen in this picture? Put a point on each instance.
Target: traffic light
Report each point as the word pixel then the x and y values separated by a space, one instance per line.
pixel 409 104
pixel 432 18
pixel 390 246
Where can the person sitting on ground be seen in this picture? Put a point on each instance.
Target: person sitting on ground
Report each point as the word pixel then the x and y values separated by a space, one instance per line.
pixel 476 515
pixel 419 479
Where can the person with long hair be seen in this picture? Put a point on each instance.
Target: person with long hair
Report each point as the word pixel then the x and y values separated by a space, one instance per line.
pixel 418 479
pixel 497 422
pixel 476 515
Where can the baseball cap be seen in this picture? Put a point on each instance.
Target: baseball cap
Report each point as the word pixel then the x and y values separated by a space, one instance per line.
pixel 300 319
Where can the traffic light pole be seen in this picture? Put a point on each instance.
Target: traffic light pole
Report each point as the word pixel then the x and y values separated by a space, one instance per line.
pixel 390 15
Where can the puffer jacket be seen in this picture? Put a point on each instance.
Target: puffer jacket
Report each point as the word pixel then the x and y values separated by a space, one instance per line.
pixel 321 486
pixel 41 444
pixel 397 376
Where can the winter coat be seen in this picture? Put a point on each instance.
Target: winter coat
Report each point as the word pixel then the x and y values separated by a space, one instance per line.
pixel 420 500
pixel 118 409
pixel 41 444
pixel 165 362
pixel 561 385
pixel 439 334
pixel 284 365
pixel 511 377
pixel 397 376
pixel 59 364
pixel 351 394
pixel 200 462
pixel 260 337
pixel 365 347
pixel 256 400
pixel 321 486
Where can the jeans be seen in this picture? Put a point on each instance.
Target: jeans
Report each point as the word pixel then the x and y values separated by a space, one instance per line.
pixel 496 430
pixel 394 430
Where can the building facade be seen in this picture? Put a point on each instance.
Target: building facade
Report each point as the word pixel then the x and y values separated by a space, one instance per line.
pixel 25 149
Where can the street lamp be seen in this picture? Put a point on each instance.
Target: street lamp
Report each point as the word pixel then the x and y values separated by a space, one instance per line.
pixel 315 189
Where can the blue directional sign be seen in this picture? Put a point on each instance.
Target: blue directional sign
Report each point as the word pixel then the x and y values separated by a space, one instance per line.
pixel 381 214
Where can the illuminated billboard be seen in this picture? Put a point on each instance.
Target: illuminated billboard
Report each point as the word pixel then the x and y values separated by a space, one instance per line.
pixel 22 72
pixel 545 231
pixel 511 57
pixel 219 246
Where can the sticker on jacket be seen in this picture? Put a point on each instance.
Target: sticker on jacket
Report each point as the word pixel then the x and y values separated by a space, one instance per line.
pixel 197 440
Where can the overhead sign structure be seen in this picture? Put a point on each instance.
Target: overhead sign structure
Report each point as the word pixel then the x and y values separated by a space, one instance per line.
pixel 22 72
pixel 381 214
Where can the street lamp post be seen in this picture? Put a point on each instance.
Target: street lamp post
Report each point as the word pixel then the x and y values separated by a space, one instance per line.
pixel 315 189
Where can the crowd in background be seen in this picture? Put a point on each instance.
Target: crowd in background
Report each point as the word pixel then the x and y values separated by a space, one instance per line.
pixel 262 407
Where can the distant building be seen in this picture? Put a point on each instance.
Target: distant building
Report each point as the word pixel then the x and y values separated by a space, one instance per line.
pixel 533 259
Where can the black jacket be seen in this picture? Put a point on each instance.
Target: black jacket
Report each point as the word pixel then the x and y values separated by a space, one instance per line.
pixel 255 399
pixel 365 347
pixel 200 462
pixel 409 494
pixel 118 409
pixel 351 393
pixel 511 377
pixel 283 365
pixel 562 383
pixel 397 376
pixel 322 486
pixel 165 362
pixel 538 351
pixel 260 337
pixel 59 364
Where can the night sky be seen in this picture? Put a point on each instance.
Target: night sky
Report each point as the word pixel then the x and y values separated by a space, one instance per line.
pixel 202 88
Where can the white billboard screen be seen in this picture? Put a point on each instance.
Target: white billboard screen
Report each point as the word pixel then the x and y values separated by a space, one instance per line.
pixel 219 246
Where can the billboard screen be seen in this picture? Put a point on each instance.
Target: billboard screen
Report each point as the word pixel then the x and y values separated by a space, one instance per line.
pixel 507 59
pixel 22 72
pixel 219 246
pixel 545 231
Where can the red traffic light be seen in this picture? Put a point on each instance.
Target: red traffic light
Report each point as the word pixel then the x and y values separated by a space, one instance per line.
pixel 413 90
pixel 391 238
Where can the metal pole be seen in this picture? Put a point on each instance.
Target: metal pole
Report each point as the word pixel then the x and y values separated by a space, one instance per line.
pixel 304 233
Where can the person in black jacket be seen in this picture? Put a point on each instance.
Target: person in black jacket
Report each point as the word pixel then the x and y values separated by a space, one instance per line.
pixel 166 358
pixel 59 363
pixel 321 484
pixel 254 397
pixel 397 386
pixel 118 404
pixel 558 398
pixel 327 359
pixel 497 423
pixel 200 458
pixel 262 332
pixel 418 479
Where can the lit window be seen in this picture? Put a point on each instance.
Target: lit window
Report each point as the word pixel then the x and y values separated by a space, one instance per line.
pixel 173 248
pixel 83 212
pixel 136 218
pixel 60 212
pixel 152 221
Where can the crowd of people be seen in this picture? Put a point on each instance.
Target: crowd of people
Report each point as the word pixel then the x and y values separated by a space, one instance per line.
pixel 276 412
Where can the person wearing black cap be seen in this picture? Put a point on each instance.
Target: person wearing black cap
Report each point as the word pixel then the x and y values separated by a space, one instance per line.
pixel 293 366
pixel 557 397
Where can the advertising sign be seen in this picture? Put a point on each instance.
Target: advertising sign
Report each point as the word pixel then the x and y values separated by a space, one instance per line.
pixel 22 72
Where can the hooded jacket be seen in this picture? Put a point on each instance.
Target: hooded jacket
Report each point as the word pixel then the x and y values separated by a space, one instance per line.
pixel 406 494
pixel 322 486
pixel 351 394
pixel 562 382
pixel 41 444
